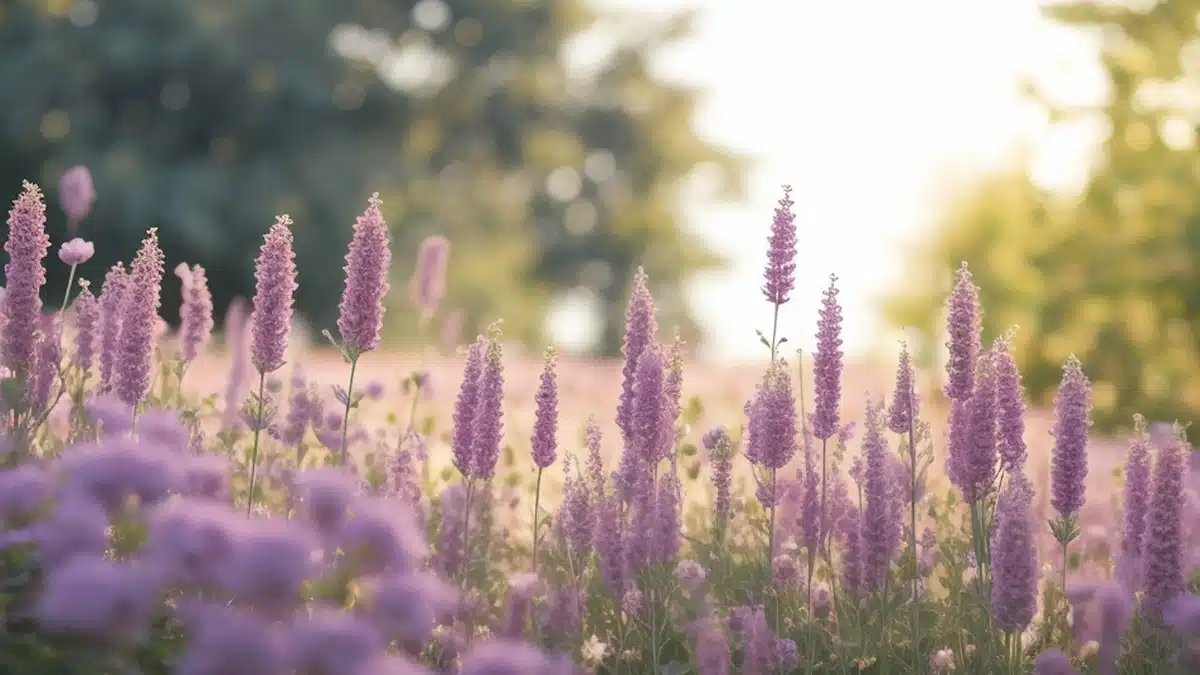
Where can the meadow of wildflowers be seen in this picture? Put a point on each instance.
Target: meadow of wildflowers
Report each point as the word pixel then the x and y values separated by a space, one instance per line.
pixel 279 526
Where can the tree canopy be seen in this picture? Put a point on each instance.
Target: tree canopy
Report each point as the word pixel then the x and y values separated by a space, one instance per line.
pixel 206 119
pixel 1109 274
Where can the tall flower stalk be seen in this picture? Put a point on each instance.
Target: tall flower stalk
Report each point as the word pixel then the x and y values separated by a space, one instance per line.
pixel 271 320
pixel 25 274
pixel 902 419
pixel 361 310
pixel 544 441
pixel 139 312
pixel 1068 463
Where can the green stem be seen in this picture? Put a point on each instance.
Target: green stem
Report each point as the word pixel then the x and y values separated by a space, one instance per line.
pixel 537 498
pixel 916 568
pixel 349 400
pixel 262 380
pixel 67 295
pixel 466 532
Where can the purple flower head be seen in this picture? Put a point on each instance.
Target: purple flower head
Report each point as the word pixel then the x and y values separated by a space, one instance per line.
pixel 139 311
pixel 381 536
pixel 327 494
pixel 271 560
pixel 779 278
pixel 97 598
pixel 230 642
pixel 509 657
pixel 720 449
pixel 196 311
pixel 880 524
pixel 1101 612
pixel 429 279
pixel 788 655
pixel 1163 539
pixel 667 529
pixel 759 645
pixel 46 368
pixel 712 647
pixel 406 607
pixel 114 417
pixel 641 329
pixel 87 324
pixel 853 568
pixel 23 491
pixel 771 429
pixel 785 572
pixel 577 519
pixel 450 553
pixel 489 414
pixel 649 396
pixel 463 437
pixel 977 467
pixel 1014 558
pixel 905 410
pixel 1068 464
pixel 1010 406
pixel 164 429
pixel 116 470
pixel 205 477
pixel 76 251
pixel 331 642
pixel 827 365
pixel 79 526
pixel 375 390
pixel 367 263
pixel 1136 504
pixel 595 464
pixel 190 542
pixel 76 193
pixel 275 287
pixel 112 298
pixel 963 326
pixel 610 545
pixel 545 428
pixel 26 247
pixel 810 520
pixel 1053 662
pixel 691 575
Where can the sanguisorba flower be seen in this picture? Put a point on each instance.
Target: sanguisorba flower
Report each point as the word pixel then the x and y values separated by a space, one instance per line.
pixel 1136 503
pixel 275 288
pixel 196 311
pixel 1163 539
pixel 545 426
pixel 76 252
pixel 827 365
pixel 367 263
pixel 641 329
pixel 112 298
pixel 1014 558
pixel 428 283
pixel 779 278
pixel 27 246
pixel 76 193
pixel 489 414
pixel 87 322
pixel 1068 464
pixel 139 310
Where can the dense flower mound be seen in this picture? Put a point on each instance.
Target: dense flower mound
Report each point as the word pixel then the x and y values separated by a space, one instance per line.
pixel 289 529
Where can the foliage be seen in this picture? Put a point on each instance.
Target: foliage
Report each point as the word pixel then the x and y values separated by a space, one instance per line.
pixel 463 114
pixel 1107 275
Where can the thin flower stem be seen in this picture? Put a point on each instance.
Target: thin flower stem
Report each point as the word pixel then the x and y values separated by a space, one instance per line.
pixel 466 532
pixel 912 502
pixel 537 499
pixel 349 400
pixel 262 380
pixel 67 294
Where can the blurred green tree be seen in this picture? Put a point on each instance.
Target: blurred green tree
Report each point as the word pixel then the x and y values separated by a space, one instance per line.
pixel 1109 274
pixel 206 119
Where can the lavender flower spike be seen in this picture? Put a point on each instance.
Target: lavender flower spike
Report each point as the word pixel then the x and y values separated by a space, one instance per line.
pixel 827 365
pixel 1136 504
pixel 27 246
pixel 545 428
pixel 977 466
pixel 275 274
pixel 139 310
pixel 49 356
pixel 1068 466
pixel 903 414
pixel 196 312
pixel 963 326
pixel 463 435
pixel 367 263
pixel 87 320
pixel 489 415
pixel 1014 558
pixel 429 279
pixel 780 275
pixel 880 526
pixel 1010 406
pixel 112 297
pixel 1163 544
pixel 641 329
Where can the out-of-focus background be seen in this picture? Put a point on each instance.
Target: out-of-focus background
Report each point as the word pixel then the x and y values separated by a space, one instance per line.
pixel 561 144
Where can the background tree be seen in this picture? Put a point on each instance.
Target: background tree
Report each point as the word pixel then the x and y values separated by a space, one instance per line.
pixel 1108 275
pixel 207 119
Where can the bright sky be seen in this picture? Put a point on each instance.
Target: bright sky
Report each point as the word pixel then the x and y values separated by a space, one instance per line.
pixel 865 107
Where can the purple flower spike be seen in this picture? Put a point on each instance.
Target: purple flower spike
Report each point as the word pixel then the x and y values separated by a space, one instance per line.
pixel 76 252
pixel 1164 571
pixel 902 416
pixel 112 297
pixel 1014 558
pixel 489 415
pixel 429 279
pixel 779 278
pixel 463 437
pixel 641 329
pixel 827 365
pixel 196 312
pixel 880 525
pixel 367 264
pixel 545 428
pixel 1010 406
pixel 1136 504
pixel 27 246
pixel 977 471
pixel 87 321
pixel 1068 466
pixel 963 326
pixel 139 311
pixel 275 274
